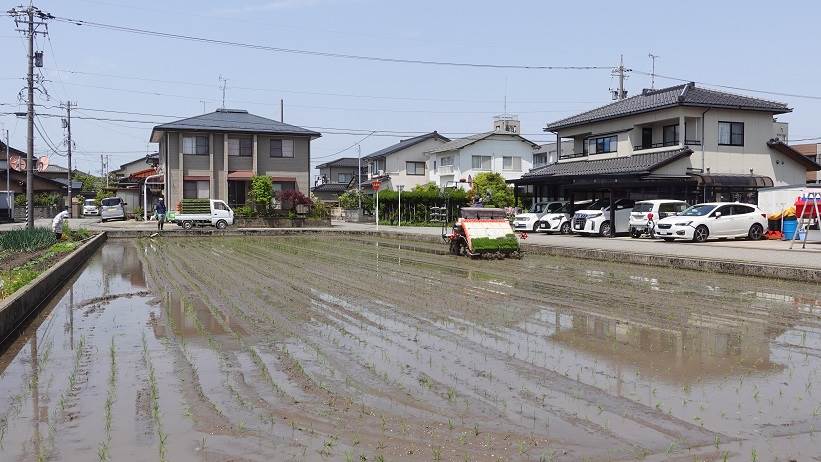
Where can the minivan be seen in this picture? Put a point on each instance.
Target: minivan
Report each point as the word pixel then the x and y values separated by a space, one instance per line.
pixel 112 208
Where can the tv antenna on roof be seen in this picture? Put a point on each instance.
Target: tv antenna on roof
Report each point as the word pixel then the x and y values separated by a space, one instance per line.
pixel 224 84
pixel 653 69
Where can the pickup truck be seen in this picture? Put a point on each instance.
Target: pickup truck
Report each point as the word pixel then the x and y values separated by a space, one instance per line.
pixel 220 216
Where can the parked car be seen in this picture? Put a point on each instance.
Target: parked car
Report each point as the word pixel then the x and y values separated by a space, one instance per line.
pixel 716 219
pixel 112 208
pixel 90 207
pixel 220 216
pixel 559 220
pixel 529 221
pixel 596 220
pixel 646 213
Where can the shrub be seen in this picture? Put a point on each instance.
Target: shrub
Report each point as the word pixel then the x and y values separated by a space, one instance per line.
pixel 319 209
pixel 290 198
pixel 491 188
pixel 350 200
pixel 26 240
pixel 20 200
pixel 47 199
pixel 138 213
pixel 245 212
pixel 261 192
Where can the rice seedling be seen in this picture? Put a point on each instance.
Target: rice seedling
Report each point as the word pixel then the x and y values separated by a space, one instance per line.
pixel 27 240
pixel 104 448
pixel 154 400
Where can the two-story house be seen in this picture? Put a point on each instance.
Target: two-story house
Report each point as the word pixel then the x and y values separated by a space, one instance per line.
pixel 503 150
pixel 682 142
pixel 215 155
pixel 336 176
pixel 404 163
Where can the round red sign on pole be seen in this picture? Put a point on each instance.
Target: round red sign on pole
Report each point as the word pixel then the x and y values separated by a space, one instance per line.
pixel 375 185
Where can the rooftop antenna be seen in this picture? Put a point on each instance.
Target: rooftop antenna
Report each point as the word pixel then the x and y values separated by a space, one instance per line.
pixel 505 94
pixel 653 71
pixel 224 84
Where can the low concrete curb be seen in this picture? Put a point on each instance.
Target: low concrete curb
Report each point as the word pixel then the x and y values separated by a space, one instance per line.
pixel 17 308
pixel 737 267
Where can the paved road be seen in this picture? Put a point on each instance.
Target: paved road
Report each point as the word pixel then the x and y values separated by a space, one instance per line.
pixel 769 252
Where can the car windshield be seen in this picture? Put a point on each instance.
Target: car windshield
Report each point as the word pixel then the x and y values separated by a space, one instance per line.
pixel 89 202
pixel 538 207
pixel 111 201
pixel 597 205
pixel 643 207
pixel 698 210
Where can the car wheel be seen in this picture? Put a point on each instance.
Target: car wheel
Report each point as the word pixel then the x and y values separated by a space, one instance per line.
pixel 221 224
pixel 755 233
pixel 604 229
pixel 187 225
pixel 635 233
pixel 565 228
pixel 701 234
pixel 669 239
pixel 535 227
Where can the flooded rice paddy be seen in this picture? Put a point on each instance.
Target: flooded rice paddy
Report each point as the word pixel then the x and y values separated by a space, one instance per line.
pixel 329 348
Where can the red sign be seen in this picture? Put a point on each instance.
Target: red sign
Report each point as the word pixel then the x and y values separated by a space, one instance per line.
pixel 375 185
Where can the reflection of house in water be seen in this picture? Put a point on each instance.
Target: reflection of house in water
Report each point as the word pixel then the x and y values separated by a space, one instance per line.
pixel 682 345
pixel 122 258
pixel 185 325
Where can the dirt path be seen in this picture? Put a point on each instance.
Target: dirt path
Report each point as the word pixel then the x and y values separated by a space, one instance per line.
pixel 326 348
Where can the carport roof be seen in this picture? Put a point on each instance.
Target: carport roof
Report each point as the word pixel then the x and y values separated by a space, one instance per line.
pixel 636 164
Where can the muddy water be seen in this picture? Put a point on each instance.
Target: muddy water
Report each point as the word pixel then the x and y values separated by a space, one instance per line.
pixel 324 348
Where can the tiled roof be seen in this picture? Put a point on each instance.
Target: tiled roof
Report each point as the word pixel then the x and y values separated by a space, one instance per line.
pixel 235 120
pixel 795 155
pixel 341 162
pixel 404 144
pixel 460 143
pixel 679 95
pixel 625 165
pixel 331 188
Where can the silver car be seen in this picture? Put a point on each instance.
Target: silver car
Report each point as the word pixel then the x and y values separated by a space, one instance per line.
pixel 112 208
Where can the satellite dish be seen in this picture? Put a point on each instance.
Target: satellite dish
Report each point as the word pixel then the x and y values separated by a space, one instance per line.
pixel 42 164
pixel 17 163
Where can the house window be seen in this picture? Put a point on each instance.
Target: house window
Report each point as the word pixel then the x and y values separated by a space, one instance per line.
pixel 646 137
pixel 195 145
pixel 415 168
pixel 447 160
pixel 344 178
pixel 242 147
pixel 481 162
pixel 731 133
pixel 603 144
pixel 670 135
pixel 539 159
pixel 282 148
pixel 512 163
pixel 195 189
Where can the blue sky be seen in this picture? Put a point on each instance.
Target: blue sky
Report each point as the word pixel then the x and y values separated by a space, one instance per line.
pixel 760 45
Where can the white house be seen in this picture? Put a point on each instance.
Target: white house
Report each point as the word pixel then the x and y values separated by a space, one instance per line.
pixel 403 163
pixel 502 150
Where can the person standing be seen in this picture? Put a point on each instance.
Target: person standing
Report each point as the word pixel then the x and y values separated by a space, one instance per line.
pixel 57 223
pixel 160 210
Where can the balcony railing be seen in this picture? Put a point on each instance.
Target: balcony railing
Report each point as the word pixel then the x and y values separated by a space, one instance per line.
pixel 445 170
pixel 667 144
pixel 572 155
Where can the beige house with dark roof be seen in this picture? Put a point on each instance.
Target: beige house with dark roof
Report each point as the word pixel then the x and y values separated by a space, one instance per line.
pixel 215 155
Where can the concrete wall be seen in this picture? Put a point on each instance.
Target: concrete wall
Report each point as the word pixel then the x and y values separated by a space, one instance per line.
pixel 27 300
pixel 496 146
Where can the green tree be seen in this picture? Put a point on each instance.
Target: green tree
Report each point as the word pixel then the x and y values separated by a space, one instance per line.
pixel 491 188
pixel 261 192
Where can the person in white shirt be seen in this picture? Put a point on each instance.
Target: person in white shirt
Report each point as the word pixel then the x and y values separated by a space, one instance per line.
pixel 57 223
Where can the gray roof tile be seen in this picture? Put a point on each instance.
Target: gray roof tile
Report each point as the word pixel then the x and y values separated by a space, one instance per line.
pixel 679 95
pixel 341 162
pixel 404 144
pixel 331 188
pixel 624 165
pixel 460 143
pixel 235 120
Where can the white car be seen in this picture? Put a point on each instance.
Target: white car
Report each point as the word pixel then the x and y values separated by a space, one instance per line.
pixel 530 221
pixel 559 220
pixel 90 207
pixel 646 213
pixel 715 219
pixel 596 220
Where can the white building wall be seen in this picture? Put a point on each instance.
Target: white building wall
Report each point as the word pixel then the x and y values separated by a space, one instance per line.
pixel 496 146
pixel 396 163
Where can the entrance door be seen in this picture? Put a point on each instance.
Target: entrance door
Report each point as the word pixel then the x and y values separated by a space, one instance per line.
pixel 237 192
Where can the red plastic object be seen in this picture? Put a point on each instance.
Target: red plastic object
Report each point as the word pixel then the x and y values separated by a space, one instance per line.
pixel 805 208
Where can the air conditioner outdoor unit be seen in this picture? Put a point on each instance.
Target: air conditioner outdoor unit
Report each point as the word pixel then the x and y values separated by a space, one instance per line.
pixel 381 173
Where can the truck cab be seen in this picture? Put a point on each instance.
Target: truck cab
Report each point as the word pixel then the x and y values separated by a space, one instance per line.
pixel 216 213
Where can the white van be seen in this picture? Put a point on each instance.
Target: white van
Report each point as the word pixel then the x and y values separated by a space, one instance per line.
pixel 596 220
pixel 646 213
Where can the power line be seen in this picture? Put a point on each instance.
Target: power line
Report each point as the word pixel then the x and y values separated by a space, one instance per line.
pixel 135 30
pixel 731 87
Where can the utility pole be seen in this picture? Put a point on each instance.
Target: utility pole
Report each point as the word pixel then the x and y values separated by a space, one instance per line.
pixel 359 177
pixel 8 186
pixel 620 72
pixel 653 69
pixel 67 124
pixel 26 16
pixel 282 110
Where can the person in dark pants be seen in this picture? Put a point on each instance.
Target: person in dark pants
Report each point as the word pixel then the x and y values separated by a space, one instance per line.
pixel 160 211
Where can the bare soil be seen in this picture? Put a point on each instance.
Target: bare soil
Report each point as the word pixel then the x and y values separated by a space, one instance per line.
pixel 333 348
